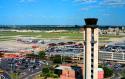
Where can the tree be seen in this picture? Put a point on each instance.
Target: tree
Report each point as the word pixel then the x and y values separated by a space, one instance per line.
pixel 100 66
pixel 31 55
pixel 47 72
pixel 108 72
pixel 123 74
pixel 57 59
pixel 41 54
pixel 123 78
pixel 1 55
pixel 67 59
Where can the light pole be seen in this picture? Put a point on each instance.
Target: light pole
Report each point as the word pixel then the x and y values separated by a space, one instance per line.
pixel 11 65
pixel 61 58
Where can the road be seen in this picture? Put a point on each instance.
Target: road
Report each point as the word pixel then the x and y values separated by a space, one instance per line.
pixel 117 71
pixel 116 76
pixel 32 75
pixel 26 74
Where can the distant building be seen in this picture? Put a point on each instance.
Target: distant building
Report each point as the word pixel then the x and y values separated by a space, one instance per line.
pixel 114 52
pixel 112 56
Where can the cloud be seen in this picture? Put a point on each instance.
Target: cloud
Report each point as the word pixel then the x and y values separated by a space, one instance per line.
pixel 116 3
pixel 107 14
pixel 22 1
pixel 94 4
pixel 113 2
pixel 89 7
pixel 85 1
pixel 85 9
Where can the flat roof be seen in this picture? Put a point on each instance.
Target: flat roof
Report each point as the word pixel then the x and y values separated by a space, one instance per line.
pixel 69 68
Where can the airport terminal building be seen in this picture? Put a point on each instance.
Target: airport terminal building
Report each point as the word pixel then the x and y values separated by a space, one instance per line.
pixel 114 52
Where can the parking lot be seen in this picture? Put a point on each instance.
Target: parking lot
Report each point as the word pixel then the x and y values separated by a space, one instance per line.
pixel 22 67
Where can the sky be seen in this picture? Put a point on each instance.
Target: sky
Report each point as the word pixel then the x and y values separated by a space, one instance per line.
pixel 61 12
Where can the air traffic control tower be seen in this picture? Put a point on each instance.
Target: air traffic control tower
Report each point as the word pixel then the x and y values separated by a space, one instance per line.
pixel 91 49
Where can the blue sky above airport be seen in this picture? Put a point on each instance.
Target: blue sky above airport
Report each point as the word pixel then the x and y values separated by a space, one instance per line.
pixel 61 12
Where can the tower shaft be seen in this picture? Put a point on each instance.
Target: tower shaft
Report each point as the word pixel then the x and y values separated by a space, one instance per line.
pixel 91 49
